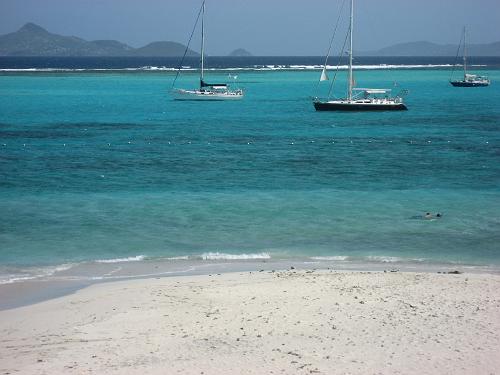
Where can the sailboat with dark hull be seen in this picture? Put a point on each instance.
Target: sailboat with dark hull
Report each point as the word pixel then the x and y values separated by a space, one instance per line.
pixel 358 99
pixel 360 104
pixel 469 80
pixel 207 91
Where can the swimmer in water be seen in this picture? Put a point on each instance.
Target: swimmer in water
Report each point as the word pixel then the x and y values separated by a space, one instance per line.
pixel 429 216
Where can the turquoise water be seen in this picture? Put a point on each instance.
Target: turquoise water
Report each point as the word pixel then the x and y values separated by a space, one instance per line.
pixel 104 165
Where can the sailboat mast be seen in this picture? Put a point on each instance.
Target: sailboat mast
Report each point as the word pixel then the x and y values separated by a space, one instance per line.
pixel 350 51
pixel 465 53
pixel 203 41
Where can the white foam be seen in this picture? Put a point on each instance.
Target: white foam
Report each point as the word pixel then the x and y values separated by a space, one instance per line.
pixel 62 267
pixel 12 278
pixel 252 68
pixel 345 67
pixel 33 273
pixel 388 259
pixel 185 257
pixel 384 259
pixel 69 70
pixel 337 258
pixel 137 258
pixel 224 256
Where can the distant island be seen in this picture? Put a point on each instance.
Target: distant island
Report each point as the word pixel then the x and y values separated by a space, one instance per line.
pixel 34 40
pixel 240 52
pixel 424 48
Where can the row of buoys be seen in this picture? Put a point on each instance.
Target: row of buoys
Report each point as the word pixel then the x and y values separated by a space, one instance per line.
pixel 290 143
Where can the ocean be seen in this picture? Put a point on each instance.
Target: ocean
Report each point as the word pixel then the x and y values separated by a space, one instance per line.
pixel 100 167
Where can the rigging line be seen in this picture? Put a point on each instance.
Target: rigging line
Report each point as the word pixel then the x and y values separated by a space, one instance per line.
pixel 338 65
pixel 331 41
pixel 456 57
pixel 189 42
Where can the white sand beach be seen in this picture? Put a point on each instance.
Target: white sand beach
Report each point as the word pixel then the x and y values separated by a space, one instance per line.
pixel 293 322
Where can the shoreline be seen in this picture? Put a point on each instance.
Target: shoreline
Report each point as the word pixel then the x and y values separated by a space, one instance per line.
pixel 326 322
pixel 71 278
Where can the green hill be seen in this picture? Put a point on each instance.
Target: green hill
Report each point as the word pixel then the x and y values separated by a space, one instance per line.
pixel 33 40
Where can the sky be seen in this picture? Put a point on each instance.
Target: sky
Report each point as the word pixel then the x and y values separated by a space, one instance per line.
pixel 263 27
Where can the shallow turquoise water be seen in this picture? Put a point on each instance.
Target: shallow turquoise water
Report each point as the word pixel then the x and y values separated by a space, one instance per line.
pixel 106 165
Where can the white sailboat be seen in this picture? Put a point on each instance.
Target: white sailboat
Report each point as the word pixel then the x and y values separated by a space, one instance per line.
pixel 469 80
pixel 207 91
pixel 358 99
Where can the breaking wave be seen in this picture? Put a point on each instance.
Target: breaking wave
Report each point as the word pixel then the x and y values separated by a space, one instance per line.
pixel 225 256
pixel 222 69
pixel 137 258
pixel 32 273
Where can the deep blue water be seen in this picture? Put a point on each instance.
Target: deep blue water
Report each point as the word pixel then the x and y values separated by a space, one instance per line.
pixel 218 62
pixel 103 165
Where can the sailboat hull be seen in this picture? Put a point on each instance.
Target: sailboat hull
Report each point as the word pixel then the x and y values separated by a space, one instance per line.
pixel 469 84
pixel 358 107
pixel 201 95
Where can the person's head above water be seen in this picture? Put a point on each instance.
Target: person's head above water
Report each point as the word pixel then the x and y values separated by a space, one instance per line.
pixel 428 215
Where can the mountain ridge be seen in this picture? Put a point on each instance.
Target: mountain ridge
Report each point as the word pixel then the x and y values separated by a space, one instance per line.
pixel 426 48
pixel 34 40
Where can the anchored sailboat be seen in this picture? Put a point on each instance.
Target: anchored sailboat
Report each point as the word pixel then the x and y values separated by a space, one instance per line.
pixel 470 80
pixel 207 91
pixel 358 99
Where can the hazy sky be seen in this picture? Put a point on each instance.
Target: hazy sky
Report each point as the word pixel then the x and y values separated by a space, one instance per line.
pixel 264 27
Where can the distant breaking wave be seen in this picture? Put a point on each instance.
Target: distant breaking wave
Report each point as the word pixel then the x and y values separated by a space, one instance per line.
pixel 251 68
